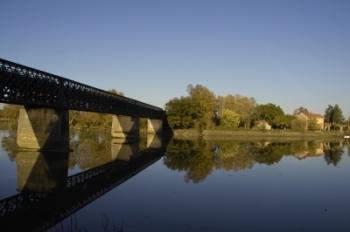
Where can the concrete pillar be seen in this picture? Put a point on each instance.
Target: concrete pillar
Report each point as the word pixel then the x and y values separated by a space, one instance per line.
pixel 123 151
pixel 41 172
pixel 154 126
pixel 43 129
pixel 125 127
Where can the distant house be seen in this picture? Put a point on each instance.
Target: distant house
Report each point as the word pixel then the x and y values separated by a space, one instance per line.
pixel 262 125
pixel 309 116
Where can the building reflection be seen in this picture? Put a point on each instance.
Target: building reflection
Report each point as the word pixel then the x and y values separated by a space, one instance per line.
pixel 305 149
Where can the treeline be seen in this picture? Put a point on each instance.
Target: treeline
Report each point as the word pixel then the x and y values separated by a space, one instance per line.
pixel 202 109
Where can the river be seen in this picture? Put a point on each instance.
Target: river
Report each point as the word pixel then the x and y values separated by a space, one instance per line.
pixel 106 185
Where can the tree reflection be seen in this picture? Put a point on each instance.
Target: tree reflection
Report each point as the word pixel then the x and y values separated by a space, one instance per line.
pixel 233 156
pixel 269 153
pixel 199 158
pixel 333 152
pixel 192 157
pixel 348 146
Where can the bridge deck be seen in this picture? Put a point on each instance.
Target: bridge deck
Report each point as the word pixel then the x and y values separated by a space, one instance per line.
pixel 28 86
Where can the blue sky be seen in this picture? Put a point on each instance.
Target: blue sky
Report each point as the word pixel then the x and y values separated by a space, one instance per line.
pixel 292 53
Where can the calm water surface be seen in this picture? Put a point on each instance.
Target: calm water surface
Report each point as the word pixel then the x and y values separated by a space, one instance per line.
pixel 104 185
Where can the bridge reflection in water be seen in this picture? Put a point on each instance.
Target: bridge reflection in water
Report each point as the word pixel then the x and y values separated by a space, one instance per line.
pixel 47 194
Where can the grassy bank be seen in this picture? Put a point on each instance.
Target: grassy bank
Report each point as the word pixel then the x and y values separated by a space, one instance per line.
pixel 255 134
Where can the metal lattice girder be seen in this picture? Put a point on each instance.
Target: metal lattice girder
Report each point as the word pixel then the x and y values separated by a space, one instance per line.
pixel 27 86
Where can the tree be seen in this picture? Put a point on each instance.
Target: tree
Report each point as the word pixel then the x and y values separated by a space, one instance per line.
pixel 182 113
pixel 328 114
pixel 229 119
pixel 244 106
pixel 268 112
pixel 116 92
pixel 337 116
pixel 283 121
pixel 301 110
pixel 334 115
pixel 194 111
pixel 204 101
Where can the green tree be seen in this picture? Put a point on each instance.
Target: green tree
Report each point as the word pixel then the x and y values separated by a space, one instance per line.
pixel 328 114
pixel 334 115
pixel 229 119
pixel 283 121
pixel 116 92
pixel 182 113
pixel 337 116
pixel 268 112
pixel 204 102
pixel 301 110
pixel 242 105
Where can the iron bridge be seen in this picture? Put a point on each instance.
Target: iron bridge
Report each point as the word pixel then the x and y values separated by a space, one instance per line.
pixel 23 85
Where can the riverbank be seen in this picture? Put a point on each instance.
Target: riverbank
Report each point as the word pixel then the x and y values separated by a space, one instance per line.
pixel 256 135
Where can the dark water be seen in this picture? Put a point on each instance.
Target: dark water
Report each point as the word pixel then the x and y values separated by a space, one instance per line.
pixel 104 185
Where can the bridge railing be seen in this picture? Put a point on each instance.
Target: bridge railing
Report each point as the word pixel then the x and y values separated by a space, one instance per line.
pixel 20 84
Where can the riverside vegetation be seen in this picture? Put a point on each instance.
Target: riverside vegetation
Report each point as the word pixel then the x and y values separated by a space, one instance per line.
pixel 202 113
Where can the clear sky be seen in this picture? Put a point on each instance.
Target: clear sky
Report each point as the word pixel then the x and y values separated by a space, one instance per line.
pixel 289 52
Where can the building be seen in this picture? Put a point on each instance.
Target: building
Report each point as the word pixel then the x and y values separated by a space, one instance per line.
pixel 263 125
pixel 309 116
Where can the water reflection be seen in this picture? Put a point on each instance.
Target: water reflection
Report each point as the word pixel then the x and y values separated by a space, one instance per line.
pixel 333 152
pixel 53 186
pixel 47 193
pixel 199 158
pixel 41 172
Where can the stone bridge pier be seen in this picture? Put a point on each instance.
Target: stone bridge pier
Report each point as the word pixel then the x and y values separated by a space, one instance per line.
pixel 43 129
pixel 154 126
pixel 125 128
pixel 128 127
